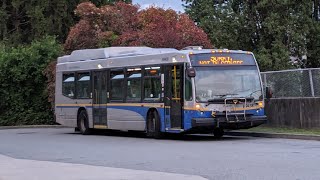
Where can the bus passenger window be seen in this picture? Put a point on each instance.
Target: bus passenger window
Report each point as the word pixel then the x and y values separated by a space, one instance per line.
pixel 83 85
pixel 68 85
pixel 152 84
pixel 117 84
pixel 134 84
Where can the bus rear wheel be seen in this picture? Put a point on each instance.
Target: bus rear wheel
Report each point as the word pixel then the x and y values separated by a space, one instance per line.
pixel 83 123
pixel 153 125
pixel 218 132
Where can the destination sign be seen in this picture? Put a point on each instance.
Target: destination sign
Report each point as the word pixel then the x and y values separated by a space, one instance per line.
pixel 225 59
pixel 221 60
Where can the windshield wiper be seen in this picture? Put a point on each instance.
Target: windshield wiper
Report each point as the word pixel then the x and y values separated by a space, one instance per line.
pixel 221 98
pixel 254 92
pixel 227 94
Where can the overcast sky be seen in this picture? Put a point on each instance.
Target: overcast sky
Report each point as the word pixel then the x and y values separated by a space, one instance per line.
pixel 173 4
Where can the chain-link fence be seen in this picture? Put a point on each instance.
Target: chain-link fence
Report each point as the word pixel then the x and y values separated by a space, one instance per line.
pixel 293 83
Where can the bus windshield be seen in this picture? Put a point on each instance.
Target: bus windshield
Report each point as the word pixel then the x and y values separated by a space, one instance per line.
pixel 225 82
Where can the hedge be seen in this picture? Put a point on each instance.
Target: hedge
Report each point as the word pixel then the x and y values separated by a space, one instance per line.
pixel 23 94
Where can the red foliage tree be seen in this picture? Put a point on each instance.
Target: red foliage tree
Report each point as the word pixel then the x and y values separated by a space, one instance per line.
pixel 165 28
pixel 81 36
pixel 124 25
pixel 50 73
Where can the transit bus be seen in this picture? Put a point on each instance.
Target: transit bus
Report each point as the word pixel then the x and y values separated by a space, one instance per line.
pixel 159 90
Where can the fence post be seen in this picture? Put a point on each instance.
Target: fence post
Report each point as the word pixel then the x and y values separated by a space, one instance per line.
pixel 311 82
pixel 265 80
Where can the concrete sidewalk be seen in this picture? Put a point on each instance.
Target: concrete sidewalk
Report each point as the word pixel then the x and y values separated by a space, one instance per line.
pixel 18 169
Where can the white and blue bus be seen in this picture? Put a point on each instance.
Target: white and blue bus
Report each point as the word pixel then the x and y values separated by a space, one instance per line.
pixel 159 90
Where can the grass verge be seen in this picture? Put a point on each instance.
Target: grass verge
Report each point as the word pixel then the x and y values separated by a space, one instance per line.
pixel 264 129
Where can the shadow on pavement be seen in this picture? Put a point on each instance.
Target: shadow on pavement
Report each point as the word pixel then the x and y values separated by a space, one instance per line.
pixel 178 137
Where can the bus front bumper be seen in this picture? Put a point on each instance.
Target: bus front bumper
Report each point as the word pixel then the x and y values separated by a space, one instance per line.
pixel 222 122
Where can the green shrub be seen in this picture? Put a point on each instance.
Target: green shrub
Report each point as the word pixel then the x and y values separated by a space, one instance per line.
pixel 23 95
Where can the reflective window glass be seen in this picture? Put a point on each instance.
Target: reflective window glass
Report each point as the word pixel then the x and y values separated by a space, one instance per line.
pixel 134 84
pixel 68 85
pixel 117 84
pixel 152 89
pixel 83 85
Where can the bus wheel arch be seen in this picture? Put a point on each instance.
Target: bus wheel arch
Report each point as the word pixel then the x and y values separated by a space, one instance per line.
pixel 83 121
pixel 153 124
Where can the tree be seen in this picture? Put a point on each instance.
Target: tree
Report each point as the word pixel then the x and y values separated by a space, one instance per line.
pixel 23 84
pixel 279 32
pixel 23 21
pixel 164 28
pixel 123 25
pixel 316 9
pixel 108 2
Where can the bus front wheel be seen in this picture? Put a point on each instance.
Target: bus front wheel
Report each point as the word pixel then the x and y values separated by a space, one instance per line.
pixel 218 132
pixel 153 125
pixel 83 123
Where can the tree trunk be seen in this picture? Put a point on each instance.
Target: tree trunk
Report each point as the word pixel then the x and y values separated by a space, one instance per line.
pixel 316 9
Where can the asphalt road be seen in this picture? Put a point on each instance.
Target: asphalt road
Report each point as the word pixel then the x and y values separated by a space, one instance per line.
pixel 229 158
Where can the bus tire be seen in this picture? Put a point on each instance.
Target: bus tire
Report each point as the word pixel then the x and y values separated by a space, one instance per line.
pixel 83 123
pixel 154 125
pixel 218 132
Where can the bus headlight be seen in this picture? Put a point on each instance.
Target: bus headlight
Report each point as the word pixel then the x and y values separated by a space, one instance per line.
pixel 260 104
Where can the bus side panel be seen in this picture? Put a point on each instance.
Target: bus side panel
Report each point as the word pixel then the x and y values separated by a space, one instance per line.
pixel 60 108
pixel 187 116
pixel 88 108
pixel 126 118
pixel 188 113
pixel 161 112
pixel 131 117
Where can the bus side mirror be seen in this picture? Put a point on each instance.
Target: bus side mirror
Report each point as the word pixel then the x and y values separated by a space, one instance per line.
pixel 191 72
pixel 268 93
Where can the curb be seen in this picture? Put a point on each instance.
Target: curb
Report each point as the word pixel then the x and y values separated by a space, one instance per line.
pixel 275 135
pixel 31 126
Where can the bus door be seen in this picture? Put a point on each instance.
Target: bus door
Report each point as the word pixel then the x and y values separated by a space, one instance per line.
pixel 100 98
pixel 173 96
